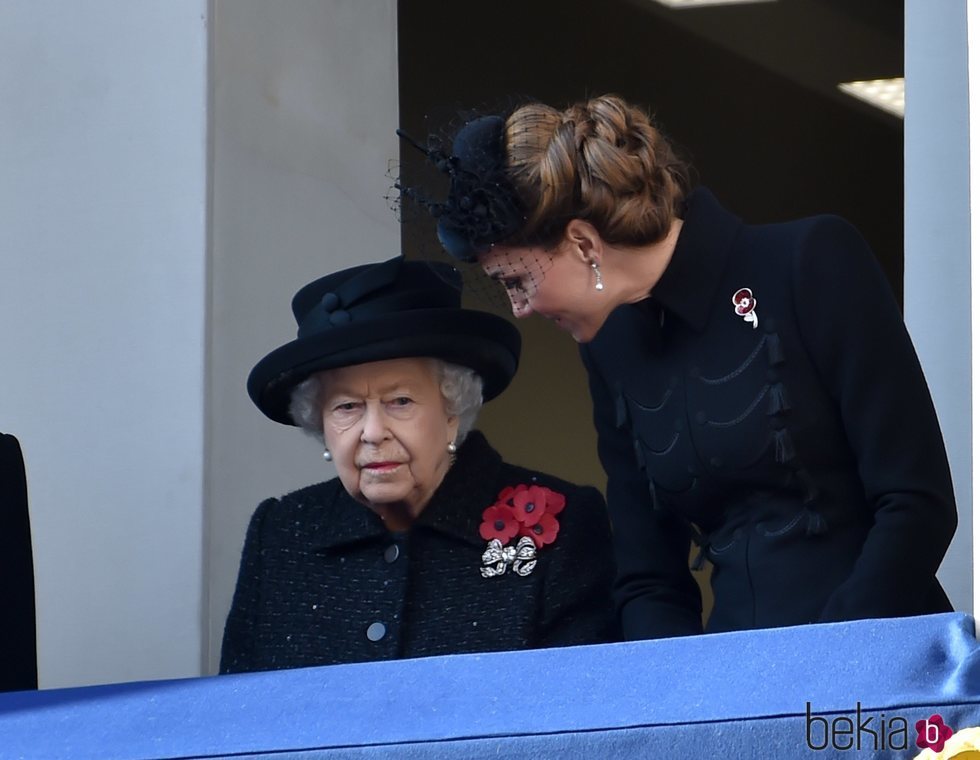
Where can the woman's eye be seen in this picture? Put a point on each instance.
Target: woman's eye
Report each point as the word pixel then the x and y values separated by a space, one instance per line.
pixel 401 401
pixel 511 284
pixel 346 406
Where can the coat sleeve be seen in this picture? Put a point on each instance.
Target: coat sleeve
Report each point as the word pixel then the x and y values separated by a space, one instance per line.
pixel 854 333
pixel 237 647
pixel 654 592
pixel 577 605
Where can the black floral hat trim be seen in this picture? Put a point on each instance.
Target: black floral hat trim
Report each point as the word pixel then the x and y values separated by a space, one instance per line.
pixel 483 207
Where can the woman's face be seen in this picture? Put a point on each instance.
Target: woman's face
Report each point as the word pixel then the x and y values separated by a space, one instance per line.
pixel 552 282
pixel 386 425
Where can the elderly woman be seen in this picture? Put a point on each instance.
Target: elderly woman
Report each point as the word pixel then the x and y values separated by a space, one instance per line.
pixel 426 543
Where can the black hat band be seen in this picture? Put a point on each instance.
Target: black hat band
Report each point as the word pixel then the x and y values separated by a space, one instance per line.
pixel 331 312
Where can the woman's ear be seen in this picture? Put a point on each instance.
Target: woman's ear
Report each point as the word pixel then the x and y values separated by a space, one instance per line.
pixel 584 241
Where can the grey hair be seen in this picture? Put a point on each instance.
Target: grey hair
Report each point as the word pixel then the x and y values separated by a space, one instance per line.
pixel 461 388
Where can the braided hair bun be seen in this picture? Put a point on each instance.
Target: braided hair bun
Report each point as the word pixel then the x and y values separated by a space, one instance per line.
pixel 603 161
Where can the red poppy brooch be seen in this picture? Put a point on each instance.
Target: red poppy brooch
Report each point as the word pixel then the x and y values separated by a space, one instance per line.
pixel 527 513
pixel 745 306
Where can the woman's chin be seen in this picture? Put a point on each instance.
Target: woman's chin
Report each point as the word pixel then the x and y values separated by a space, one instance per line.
pixel 385 494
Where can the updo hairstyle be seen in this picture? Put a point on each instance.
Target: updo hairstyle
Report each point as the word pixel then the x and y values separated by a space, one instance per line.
pixel 602 161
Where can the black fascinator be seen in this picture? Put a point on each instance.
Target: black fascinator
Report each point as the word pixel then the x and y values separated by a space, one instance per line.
pixel 482 207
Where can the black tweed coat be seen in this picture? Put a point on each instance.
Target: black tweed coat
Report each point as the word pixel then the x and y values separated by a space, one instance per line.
pixel 801 449
pixel 322 581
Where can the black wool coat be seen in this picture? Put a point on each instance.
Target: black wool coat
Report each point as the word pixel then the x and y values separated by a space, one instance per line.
pixel 322 581
pixel 802 451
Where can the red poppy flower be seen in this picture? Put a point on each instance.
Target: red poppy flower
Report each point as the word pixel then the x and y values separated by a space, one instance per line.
pixel 529 505
pixel 744 302
pixel 526 510
pixel 508 493
pixel 543 532
pixel 555 502
pixel 498 522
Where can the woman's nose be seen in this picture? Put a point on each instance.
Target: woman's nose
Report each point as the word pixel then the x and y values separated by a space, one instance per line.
pixel 375 425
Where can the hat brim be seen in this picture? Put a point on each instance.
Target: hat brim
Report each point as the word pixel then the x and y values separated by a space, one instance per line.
pixel 486 343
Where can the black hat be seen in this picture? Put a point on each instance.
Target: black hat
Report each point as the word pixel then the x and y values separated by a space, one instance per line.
pixel 392 310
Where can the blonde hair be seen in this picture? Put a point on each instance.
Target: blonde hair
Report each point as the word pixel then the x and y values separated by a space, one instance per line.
pixel 603 161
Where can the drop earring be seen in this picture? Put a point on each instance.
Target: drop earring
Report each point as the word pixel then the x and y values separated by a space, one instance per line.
pixel 327 455
pixel 451 447
pixel 598 276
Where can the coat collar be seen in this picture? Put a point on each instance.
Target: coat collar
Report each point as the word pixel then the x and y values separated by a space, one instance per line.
pixel 345 521
pixel 456 507
pixel 470 486
pixel 689 284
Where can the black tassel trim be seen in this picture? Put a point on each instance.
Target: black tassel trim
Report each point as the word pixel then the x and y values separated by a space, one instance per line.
pixel 653 494
pixel 816 524
pixel 620 408
pixel 775 347
pixel 778 400
pixel 641 461
pixel 785 451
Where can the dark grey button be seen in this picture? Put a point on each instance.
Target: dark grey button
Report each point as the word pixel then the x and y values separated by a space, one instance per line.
pixel 716 462
pixel 701 418
pixel 376 631
pixel 391 553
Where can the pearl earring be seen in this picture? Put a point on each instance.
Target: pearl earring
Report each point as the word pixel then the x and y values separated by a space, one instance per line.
pixel 451 448
pixel 327 455
pixel 598 276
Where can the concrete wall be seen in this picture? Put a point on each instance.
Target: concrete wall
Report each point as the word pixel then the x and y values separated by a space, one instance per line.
pixel 938 298
pixel 126 342
pixel 102 302
pixel 305 108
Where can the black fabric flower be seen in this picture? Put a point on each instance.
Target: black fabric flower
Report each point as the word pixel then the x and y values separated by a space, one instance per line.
pixel 482 207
